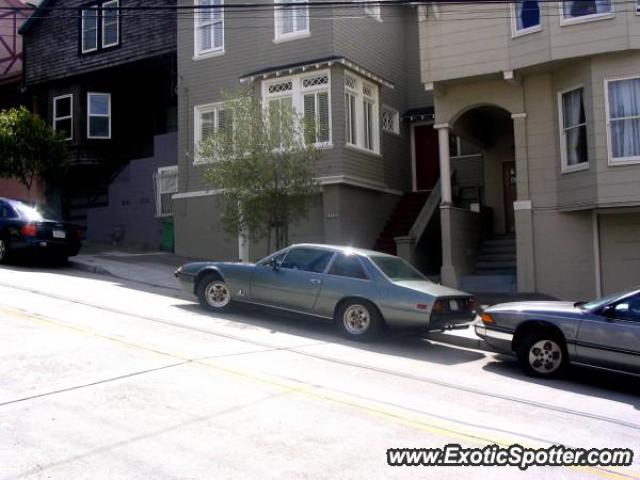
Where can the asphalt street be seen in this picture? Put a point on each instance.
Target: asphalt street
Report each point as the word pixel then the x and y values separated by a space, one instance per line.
pixel 102 378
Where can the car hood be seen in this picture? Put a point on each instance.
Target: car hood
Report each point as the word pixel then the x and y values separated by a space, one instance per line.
pixel 197 266
pixel 430 288
pixel 541 306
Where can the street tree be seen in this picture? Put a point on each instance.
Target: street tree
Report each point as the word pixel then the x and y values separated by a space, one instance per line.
pixel 262 160
pixel 29 148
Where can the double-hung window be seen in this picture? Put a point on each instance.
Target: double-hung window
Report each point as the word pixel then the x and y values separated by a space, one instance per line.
pixel 361 109
pixel 99 115
pixel 291 21
pixel 573 130
pixel 623 120
pixel 209 27
pixel 166 183
pixel 63 116
pixel 305 97
pixel 526 16
pixel 100 26
pixel 573 11
pixel 208 120
pixel 89 27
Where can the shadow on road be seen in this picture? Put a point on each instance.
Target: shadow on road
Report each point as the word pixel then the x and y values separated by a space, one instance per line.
pixel 587 381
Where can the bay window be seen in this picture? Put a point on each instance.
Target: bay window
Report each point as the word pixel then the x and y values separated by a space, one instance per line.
pixel 361 111
pixel 209 28
pixel 581 10
pixel 573 130
pixel 623 120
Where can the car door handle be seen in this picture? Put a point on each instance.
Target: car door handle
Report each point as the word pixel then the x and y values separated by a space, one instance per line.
pixel 315 281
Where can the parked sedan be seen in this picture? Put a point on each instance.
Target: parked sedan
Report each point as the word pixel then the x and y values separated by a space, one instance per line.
pixel 361 290
pixel 27 231
pixel 547 335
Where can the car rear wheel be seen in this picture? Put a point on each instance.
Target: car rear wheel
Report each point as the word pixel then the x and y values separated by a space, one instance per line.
pixel 359 320
pixel 213 293
pixel 4 251
pixel 542 354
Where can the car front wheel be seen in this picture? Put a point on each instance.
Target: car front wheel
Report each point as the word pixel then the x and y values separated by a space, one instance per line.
pixel 213 293
pixel 542 354
pixel 358 320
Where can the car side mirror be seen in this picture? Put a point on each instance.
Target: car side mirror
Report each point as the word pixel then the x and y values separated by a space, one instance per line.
pixel 608 312
pixel 274 264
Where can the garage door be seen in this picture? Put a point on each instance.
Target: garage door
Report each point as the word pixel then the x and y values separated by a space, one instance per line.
pixel 619 251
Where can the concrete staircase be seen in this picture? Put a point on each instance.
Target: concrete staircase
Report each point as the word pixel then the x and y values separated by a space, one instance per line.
pixel 495 270
pixel 400 221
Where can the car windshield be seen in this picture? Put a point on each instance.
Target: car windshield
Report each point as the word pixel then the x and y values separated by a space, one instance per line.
pixel 34 214
pixel 601 302
pixel 395 268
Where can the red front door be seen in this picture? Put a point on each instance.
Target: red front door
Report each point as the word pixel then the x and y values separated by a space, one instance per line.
pixel 427 165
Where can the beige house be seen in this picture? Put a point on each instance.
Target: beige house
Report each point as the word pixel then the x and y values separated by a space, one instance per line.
pixel 550 93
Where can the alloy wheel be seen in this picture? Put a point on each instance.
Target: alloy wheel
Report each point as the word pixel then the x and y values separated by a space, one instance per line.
pixel 356 319
pixel 217 294
pixel 545 356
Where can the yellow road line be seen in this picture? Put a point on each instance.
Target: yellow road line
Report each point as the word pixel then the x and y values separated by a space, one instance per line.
pixel 420 421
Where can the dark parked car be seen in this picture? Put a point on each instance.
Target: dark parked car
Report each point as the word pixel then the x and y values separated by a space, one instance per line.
pixel 28 232
pixel 546 336
pixel 361 290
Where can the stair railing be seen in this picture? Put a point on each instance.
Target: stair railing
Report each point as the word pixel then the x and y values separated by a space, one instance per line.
pixel 425 215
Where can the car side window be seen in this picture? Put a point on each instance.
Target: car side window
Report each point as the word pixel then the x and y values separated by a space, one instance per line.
pixel 6 211
pixel 307 259
pixel 627 309
pixel 278 259
pixel 347 266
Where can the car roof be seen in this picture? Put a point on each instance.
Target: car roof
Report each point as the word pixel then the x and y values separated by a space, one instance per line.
pixel 343 248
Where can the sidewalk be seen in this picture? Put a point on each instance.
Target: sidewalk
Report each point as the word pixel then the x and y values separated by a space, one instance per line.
pixel 149 268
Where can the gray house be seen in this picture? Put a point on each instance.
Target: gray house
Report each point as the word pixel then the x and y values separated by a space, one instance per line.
pixel 360 66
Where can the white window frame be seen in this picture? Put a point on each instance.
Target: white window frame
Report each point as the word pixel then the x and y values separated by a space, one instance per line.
pixel 297 94
pixel 111 4
pixel 515 32
pixel 158 182
pixel 83 13
pixel 357 92
pixel 564 166
pixel 564 21
pixel 100 115
pixel 213 51
pixel 278 22
pixel 395 119
pixel 610 159
pixel 198 110
pixel 56 118
pixel 374 11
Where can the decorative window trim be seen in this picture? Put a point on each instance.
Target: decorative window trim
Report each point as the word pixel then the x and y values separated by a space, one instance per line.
pixel 395 120
pixel 213 51
pixel 564 166
pixel 374 11
pixel 172 171
pixel 611 161
pixel 116 5
pixel 85 13
pixel 564 21
pixel 56 118
pixel 297 91
pixel 100 115
pixel 280 37
pixel 363 90
pixel 515 32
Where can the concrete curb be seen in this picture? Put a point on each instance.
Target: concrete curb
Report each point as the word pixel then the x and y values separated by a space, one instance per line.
pixel 86 267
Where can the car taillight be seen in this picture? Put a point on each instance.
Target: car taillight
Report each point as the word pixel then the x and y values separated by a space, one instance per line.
pixel 487 319
pixel 29 230
pixel 78 234
pixel 439 306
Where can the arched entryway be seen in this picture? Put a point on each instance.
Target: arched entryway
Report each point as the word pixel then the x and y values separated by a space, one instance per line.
pixel 493 173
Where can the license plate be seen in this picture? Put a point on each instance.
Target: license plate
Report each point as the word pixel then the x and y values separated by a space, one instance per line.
pixel 453 305
pixel 59 234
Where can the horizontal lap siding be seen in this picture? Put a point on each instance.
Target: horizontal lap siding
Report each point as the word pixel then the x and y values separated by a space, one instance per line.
pixel 52 44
